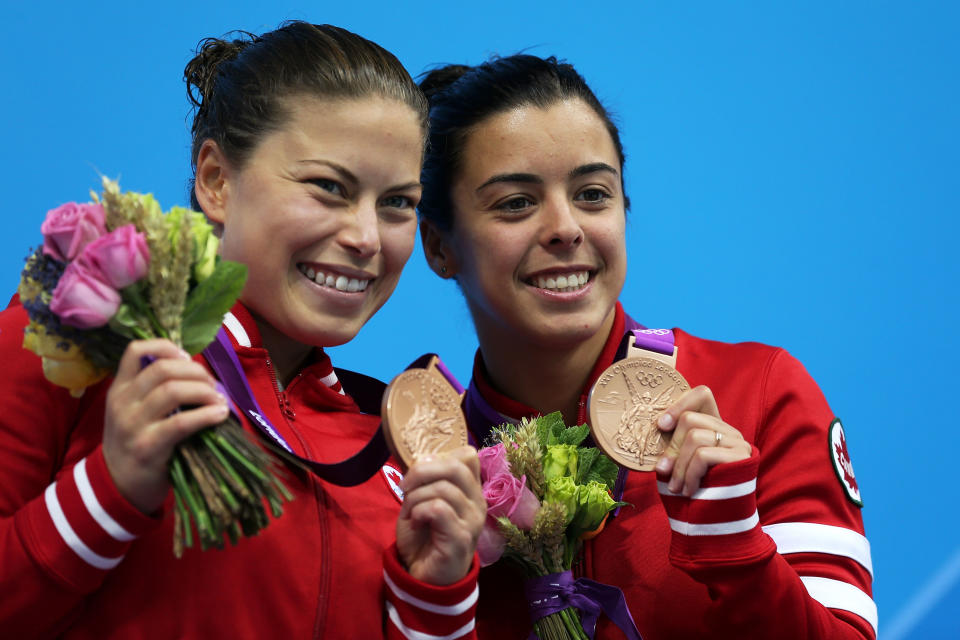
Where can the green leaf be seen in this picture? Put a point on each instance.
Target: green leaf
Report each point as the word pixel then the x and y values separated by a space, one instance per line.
pixel 588 456
pixel 543 432
pixel 574 435
pixel 127 322
pixel 208 302
pixel 604 471
pixel 554 426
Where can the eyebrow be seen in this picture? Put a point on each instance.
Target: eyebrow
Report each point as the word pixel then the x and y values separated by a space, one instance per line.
pixel 352 179
pixel 531 178
pixel 593 167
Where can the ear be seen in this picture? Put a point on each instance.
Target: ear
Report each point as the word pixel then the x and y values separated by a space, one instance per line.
pixel 211 184
pixel 436 247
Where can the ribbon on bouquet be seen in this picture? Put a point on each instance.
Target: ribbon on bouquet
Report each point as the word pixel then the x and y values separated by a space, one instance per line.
pixel 558 591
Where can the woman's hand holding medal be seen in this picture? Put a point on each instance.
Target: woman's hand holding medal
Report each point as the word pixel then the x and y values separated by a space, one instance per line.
pixel 700 439
pixel 442 515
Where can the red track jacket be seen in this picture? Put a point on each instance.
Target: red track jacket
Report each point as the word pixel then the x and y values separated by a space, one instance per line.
pixel 770 547
pixel 78 561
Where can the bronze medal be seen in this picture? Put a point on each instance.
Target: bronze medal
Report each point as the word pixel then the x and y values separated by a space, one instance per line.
pixel 421 415
pixel 624 405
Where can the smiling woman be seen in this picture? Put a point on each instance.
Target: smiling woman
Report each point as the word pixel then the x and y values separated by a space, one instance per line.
pixel 750 527
pixel 307 149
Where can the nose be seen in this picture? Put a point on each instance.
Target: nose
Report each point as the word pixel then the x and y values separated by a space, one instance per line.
pixel 561 228
pixel 360 234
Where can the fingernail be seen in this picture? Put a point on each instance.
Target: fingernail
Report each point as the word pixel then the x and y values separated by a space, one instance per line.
pixel 663 465
pixel 185 355
pixel 665 421
pixel 673 486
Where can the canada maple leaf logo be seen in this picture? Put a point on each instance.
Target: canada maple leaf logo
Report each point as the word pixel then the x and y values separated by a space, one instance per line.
pixel 843 456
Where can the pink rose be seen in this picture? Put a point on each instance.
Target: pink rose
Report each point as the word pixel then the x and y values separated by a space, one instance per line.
pixel 491 543
pixel 493 461
pixel 119 258
pixel 70 227
pixel 83 301
pixel 509 496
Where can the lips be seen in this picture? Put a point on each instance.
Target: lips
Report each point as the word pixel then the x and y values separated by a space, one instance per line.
pixel 561 282
pixel 329 278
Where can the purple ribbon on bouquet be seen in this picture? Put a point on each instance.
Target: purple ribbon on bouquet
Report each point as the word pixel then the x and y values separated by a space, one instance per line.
pixel 558 591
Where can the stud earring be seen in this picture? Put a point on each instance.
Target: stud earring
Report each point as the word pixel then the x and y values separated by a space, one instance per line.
pixel 443 270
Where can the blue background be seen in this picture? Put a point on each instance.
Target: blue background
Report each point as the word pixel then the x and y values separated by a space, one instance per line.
pixel 793 170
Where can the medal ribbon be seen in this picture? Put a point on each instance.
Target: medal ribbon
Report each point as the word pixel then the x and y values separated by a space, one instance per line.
pixel 558 591
pixel 366 392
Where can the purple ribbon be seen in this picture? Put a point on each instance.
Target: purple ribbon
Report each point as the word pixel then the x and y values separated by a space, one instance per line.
pixel 350 472
pixel 367 392
pixel 558 591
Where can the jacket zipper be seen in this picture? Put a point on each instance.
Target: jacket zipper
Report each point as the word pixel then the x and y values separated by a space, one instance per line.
pixel 282 398
pixel 288 412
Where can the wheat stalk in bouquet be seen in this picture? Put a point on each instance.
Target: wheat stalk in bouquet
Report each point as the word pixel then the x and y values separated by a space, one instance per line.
pixel 119 269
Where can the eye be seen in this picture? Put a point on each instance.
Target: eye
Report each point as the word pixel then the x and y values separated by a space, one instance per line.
pixel 517 204
pixel 593 195
pixel 330 186
pixel 398 202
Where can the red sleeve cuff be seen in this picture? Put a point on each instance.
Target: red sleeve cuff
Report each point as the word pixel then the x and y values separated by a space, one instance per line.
pixel 718 525
pixel 81 527
pixel 416 607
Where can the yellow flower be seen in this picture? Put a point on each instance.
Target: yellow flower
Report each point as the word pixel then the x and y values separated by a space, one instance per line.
pixel 63 367
pixel 29 288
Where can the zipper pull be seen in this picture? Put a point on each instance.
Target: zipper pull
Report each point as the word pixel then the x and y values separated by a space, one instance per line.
pixel 287 407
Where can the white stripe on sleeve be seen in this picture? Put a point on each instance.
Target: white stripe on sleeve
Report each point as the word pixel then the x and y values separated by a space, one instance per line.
pixel 444 610
pixel 810 537
pixel 835 594
pixel 714 493
pixel 90 501
pixel 70 537
pixel 715 529
pixel 412 634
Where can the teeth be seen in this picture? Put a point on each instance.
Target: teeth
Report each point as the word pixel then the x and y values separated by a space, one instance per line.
pixel 564 284
pixel 341 283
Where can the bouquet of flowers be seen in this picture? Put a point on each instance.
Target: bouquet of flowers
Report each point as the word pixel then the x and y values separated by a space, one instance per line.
pixel 546 494
pixel 119 269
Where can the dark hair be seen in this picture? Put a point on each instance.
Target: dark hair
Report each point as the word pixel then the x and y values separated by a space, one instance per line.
pixel 461 97
pixel 238 86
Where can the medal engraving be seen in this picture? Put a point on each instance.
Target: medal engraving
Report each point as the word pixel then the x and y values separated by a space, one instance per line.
pixel 624 406
pixel 421 415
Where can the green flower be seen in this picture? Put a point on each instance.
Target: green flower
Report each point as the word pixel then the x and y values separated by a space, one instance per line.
pixel 205 243
pixel 593 503
pixel 565 491
pixel 560 460
pixel 205 248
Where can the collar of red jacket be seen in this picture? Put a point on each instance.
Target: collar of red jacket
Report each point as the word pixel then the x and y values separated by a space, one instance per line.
pixel 507 406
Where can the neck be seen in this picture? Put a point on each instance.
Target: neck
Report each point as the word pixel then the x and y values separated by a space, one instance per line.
pixel 544 377
pixel 286 354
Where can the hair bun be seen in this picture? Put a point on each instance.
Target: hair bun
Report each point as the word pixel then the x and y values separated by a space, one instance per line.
pixel 201 72
pixel 437 81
